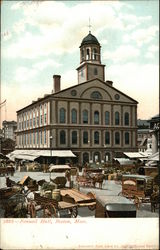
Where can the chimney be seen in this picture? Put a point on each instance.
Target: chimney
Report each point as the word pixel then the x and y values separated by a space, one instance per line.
pixel 56 83
pixel 109 82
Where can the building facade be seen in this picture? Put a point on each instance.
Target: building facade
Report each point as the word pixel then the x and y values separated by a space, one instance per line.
pixel 9 129
pixel 92 118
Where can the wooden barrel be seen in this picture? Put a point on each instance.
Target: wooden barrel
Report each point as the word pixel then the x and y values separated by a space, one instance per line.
pixel 56 194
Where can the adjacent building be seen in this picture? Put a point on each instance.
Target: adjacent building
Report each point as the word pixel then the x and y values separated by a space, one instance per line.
pixel 92 118
pixel 9 129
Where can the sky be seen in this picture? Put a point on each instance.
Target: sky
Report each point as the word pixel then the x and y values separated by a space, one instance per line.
pixel 42 38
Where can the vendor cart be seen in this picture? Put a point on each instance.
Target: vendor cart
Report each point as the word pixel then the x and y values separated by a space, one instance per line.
pixel 53 208
pixel 82 200
pixel 137 187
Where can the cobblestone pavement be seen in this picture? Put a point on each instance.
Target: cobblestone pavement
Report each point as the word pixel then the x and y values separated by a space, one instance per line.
pixel 110 187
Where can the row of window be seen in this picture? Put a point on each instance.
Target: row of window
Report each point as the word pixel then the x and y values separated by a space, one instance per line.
pixel 85 139
pixel 33 138
pixel 85 117
pixel 32 123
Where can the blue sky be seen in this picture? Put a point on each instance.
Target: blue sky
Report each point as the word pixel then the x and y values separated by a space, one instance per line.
pixel 42 38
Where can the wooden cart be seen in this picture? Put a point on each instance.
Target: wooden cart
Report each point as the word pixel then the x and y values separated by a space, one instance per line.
pixel 137 187
pixel 76 197
pixel 53 208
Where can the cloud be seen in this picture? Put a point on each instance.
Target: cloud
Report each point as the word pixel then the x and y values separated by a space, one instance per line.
pixel 123 53
pixel 24 74
pixel 60 27
pixel 45 64
pixel 141 82
pixel 15 101
pixel 142 36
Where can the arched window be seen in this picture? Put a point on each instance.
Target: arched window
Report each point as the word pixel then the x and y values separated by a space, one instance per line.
pixel 96 117
pixel 107 137
pixel 107 118
pixel 97 157
pixel 74 137
pixel 85 157
pixel 62 115
pixel 74 116
pixel 94 54
pixel 88 54
pixel 126 138
pixel 96 137
pixel 62 137
pixel 85 137
pixel 107 157
pixel 82 54
pixel 117 138
pixel 126 118
pixel 85 116
pixel 116 118
pixel 96 95
pixel 95 71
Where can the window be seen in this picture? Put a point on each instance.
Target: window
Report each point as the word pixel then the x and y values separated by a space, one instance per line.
pixel 117 138
pixel 62 137
pixel 34 138
pixel 107 138
pixel 45 137
pixel 37 121
pixel 30 138
pixel 45 118
pixel 87 56
pixel 85 137
pixel 85 157
pixel 95 71
pixel 41 137
pixel 126 118
pixel 74 137
pixel 116 118
pixel 126 138
pixel 37 138
pixel 62 115
pixel 96 137
pixel 94 54
pixel 107 116
pixel 85 116
pixel 82 54
pixel 107 157
pixel 96 95
pixel 74 116
pixel 96 117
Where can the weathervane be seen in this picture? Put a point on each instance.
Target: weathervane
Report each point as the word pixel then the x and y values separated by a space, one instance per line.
pixel 89 26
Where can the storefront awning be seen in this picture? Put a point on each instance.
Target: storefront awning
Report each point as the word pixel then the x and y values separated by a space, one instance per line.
pixel 31 155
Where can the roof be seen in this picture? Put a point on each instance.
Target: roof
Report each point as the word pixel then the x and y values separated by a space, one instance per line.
pixel 113 199
pixel 132 155
pixel 33 154
pixel 136 176
pixel 154 157
pixel 124 161
pixel 59 167
pixel 89 39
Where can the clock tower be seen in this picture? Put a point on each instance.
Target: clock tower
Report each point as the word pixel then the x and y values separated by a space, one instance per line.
pixel 90 60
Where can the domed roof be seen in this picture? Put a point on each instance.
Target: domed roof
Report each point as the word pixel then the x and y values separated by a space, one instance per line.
pixel 89 39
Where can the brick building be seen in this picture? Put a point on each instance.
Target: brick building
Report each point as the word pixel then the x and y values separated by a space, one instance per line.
pixel 92 118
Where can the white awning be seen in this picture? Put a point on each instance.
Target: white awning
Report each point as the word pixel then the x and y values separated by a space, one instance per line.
pixel 59 167
pixel 154 157
pixel 33 154
pixel 124 161
pixel 132 155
